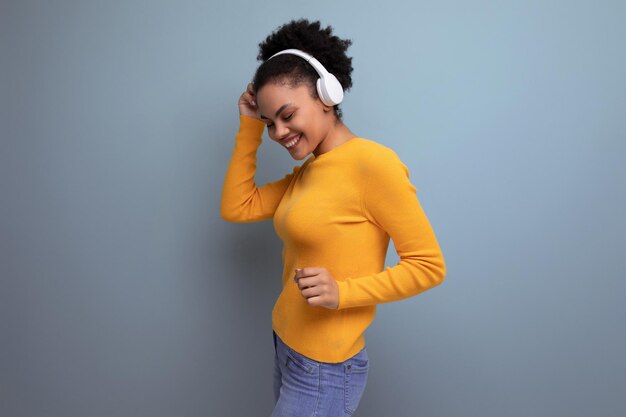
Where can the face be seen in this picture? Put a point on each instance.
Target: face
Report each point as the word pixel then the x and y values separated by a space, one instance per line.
pixel 294 119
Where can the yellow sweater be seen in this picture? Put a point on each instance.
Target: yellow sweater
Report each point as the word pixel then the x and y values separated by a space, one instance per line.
pixel 337 210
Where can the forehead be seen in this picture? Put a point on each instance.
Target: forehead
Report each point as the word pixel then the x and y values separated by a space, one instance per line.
pixel 276 94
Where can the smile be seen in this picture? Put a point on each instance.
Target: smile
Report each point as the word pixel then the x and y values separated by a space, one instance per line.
pixel 293 142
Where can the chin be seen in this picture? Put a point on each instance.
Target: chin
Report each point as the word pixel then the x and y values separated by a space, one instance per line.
pixel 299 158
pixel 300 155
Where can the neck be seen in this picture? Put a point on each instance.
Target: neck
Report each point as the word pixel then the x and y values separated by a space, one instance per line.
pixel 338 134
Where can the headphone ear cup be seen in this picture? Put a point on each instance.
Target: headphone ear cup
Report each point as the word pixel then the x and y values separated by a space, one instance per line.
pixel 330 90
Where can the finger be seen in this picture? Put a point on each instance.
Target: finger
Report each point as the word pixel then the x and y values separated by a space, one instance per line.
pixel 297 274
pixel 311 292
pixel 315 301
pixel 311 270
pixel 308 282
pixel 247 96
pixel 308 271
pixel 303 283
pixel 248 99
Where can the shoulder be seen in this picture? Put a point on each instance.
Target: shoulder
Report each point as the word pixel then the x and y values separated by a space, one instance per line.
pixel 384 174
pixel 376 156
pixel 375 149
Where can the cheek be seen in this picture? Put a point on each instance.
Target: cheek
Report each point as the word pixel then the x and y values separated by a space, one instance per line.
pixel 310 127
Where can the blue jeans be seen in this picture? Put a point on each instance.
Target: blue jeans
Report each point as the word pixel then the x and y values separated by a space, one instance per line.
pixel 304 387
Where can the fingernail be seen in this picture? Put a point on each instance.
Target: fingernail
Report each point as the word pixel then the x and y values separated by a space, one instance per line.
pixel 253 103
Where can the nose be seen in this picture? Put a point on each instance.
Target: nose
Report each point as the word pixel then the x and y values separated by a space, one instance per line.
pixel 280 131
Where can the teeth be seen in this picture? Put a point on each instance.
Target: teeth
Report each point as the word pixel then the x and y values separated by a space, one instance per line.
pixel 292 142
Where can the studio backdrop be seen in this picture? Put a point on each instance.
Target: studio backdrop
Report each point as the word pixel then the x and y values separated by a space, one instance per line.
pixel 124 293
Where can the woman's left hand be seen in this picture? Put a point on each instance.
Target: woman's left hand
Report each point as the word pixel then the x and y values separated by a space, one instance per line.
pixel 318 286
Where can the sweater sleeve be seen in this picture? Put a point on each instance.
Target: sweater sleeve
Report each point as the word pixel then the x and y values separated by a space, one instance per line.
pixel 242 200
pixel 389 200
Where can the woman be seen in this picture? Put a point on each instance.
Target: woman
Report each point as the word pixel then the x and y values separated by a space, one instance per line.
pixel 335 214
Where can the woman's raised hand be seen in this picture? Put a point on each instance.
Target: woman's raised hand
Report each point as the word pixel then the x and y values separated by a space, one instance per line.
pixel 247 103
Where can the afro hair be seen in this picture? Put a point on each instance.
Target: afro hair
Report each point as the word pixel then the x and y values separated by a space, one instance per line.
pixel 309 37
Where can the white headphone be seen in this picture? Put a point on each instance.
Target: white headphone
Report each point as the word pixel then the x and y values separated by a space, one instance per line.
pixel 328 86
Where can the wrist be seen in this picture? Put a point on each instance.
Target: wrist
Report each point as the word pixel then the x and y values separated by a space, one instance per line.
pixel 251 124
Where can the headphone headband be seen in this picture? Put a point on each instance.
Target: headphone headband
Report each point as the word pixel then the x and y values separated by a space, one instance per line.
pixel 328 87
pixel 307 57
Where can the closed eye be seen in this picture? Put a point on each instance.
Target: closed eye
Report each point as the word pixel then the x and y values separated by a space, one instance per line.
pixel 286 118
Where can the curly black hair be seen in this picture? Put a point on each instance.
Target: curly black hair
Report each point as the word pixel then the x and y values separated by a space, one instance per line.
pixel 309 37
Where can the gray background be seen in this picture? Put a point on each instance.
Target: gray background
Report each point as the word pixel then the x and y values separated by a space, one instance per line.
pixel 123 292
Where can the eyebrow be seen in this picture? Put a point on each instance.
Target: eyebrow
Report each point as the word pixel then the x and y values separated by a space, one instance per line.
pixel 278 112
